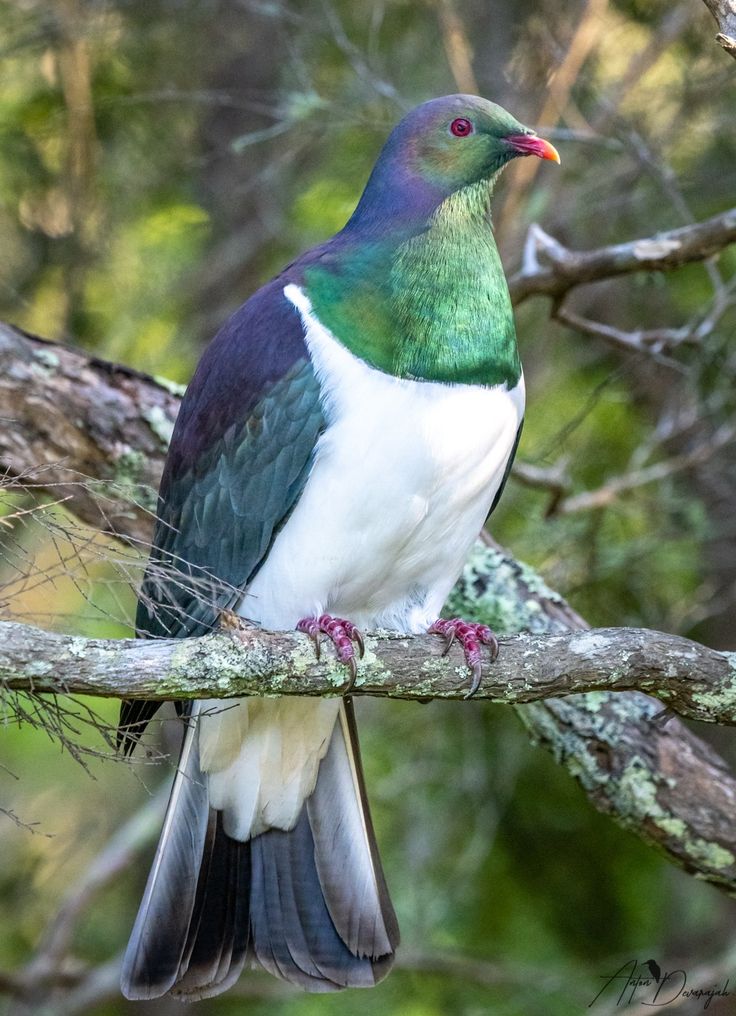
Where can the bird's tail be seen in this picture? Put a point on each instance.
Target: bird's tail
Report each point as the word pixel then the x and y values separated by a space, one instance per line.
pixel 309 904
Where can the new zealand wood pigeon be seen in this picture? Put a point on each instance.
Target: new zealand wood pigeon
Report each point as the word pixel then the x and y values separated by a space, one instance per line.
pixel 337 452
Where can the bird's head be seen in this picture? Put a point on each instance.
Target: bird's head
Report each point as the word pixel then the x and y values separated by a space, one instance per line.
pixel 441 147
pixel 462 139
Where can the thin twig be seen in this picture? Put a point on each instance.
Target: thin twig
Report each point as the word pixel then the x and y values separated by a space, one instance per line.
pixel 612 489
pixel 563 269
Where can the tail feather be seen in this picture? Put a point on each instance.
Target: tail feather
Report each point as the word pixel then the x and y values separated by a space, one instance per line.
pixel 236 914
pixel 204 891
pixel 159 936
pixel 309 904
pixel 340 820
pixel 220 918
pixel 279 940
pixel 220 939
pixel 279 919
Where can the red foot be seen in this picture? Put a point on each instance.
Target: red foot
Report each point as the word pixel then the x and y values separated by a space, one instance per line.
pixel 471 636
pixel 343 634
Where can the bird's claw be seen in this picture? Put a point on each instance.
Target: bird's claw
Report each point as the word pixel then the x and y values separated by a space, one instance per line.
pixel 472 637
pixel 344 635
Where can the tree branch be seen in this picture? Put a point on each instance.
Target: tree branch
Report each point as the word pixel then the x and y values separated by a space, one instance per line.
pixel 245 660
pixel 564 269
pixel 658 780
pixel 88 431
pixel 50 966
pixel 614 486
pixel 724 11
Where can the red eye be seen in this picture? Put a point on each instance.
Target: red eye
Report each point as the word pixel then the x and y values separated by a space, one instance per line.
pixel 461 127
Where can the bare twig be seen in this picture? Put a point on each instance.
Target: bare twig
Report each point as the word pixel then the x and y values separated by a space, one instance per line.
pixel 478 971
pixel 554 478
pixel 617 485
pixel 585 37
pixel 50 967
pixel 724 11
pixel 564 269
pixel 674 21
pixel 651 341
pixel 124 845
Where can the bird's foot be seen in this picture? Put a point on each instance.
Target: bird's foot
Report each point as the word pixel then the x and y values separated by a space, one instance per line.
pixel 344 635
pixel 472 637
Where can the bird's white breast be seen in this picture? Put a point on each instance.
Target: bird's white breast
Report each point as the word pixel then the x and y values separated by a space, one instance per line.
pixel 403 478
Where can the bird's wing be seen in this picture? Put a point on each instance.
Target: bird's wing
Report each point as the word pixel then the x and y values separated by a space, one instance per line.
pixel 240 455
pixel 507 471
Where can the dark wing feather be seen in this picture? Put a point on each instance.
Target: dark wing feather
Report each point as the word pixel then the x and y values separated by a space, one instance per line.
pixel 505 477
pixel 240 455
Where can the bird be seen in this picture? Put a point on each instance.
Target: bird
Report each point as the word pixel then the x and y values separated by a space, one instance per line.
pixel 343 439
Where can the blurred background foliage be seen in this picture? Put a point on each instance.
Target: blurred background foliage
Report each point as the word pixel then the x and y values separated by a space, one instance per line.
pixel 158 161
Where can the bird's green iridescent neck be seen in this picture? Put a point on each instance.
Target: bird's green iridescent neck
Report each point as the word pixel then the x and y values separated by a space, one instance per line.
pixel 433 305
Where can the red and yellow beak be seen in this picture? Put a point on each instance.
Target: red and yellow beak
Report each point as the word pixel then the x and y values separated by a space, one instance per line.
pixel 530 144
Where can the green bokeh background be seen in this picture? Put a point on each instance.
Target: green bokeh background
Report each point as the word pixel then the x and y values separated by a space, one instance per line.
pixel 158 162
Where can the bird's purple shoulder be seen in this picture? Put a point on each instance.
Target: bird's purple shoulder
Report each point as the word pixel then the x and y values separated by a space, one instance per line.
pixel 261 344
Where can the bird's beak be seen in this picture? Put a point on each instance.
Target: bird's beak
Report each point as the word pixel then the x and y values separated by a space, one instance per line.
pixel 530 144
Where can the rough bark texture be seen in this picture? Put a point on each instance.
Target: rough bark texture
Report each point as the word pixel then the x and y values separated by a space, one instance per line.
pixel 85 430
pixel 657 779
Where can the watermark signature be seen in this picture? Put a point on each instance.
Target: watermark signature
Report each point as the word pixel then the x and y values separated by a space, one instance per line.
pixel 648 985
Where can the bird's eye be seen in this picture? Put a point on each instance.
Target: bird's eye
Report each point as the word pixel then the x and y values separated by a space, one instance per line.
pixel 461 127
